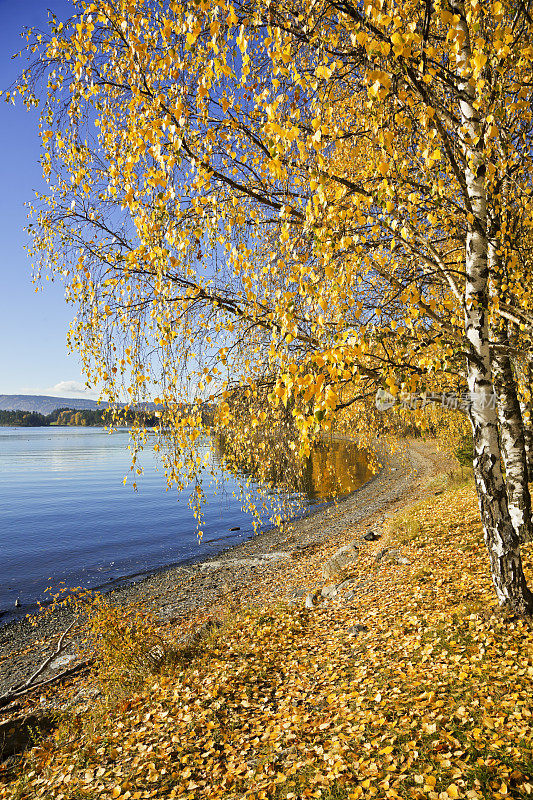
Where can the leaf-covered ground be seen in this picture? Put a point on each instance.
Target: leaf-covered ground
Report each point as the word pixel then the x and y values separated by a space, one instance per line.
pixel 433 701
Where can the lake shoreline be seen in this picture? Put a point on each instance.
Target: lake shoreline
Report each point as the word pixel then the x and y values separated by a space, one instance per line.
pixel 68 520
pixel 181 594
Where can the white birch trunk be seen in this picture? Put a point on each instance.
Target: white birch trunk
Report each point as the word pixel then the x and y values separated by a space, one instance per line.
pixel 501 538
pixel 512 438
pixel 513 447
pixel 527 416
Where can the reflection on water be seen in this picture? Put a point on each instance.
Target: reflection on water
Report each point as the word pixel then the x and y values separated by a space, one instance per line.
pixel 333 468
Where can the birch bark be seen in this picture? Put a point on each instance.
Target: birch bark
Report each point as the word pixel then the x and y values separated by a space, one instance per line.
pixel 513 446
pixel 526 409
pixel 511 424
pixel 501 538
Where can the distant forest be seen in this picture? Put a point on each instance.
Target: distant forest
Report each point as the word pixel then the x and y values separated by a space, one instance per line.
pixel 86 417
pixel 67 416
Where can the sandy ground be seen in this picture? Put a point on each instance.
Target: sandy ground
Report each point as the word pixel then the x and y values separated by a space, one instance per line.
pixel 277 565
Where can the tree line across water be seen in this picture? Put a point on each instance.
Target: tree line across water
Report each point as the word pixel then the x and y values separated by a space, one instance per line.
pixel 90 417
pixel 69 416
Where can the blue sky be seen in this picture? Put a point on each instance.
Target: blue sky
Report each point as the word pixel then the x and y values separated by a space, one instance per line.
pixel 33 326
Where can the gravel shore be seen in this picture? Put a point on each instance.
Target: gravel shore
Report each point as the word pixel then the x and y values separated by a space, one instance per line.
pixel 278 564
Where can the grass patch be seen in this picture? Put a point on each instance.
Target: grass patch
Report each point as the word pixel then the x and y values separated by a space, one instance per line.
pixel 407 526
pixel 457 478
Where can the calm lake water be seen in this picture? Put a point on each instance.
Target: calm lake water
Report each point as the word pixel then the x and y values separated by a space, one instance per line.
pixel 66 518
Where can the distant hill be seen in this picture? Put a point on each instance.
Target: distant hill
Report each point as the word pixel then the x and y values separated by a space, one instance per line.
pixel 42 404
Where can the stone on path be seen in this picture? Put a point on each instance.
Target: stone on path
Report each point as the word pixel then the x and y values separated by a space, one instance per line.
pixel 312 599
pixel 359 628
pixel 63 661
pixel 342 563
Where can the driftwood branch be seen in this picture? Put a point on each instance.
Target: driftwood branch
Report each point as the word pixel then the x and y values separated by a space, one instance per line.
pixel 8 698
pixel 46 662
pixel 29 685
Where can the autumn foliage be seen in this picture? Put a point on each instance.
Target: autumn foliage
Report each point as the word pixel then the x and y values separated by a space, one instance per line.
pixel 432 701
